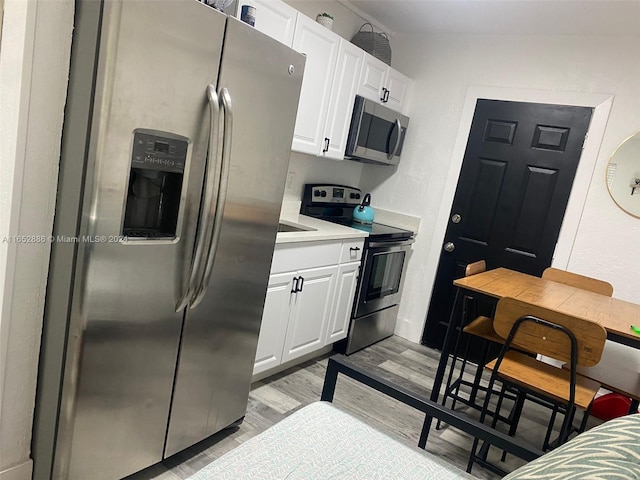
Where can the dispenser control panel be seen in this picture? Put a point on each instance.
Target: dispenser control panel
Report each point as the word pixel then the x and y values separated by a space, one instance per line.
pixel 155 185
pixel 154 152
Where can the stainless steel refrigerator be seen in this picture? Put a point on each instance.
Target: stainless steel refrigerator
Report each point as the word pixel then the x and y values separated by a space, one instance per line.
pixel 176 143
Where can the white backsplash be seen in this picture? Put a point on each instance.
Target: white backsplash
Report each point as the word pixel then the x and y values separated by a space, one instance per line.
pixel 308 169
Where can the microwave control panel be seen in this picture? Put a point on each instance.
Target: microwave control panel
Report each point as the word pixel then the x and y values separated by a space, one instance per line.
pixel 336 194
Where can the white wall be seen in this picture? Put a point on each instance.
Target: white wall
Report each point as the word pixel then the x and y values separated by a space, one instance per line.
pixel 34 65
pixel 308 169
pixel 345 22
pixel 444 67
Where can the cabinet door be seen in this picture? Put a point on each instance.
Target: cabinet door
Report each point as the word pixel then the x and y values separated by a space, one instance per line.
pixel 274 322
pixel 373 78
pixel 399 86
pixel 276 19
pixel 345 86
pixel 310 312
pixel 320 45
pixel 343 304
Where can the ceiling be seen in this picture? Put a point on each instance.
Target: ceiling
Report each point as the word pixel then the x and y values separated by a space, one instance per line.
pixel 526 17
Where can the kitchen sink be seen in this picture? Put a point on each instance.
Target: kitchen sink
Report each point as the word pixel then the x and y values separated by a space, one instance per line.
pixel 288 227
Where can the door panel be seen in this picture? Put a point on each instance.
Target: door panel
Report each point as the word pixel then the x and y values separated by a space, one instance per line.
pixel 343 305
pixel 220 334
pixel 310 313
pixel 321 48
pixel 343 93
pixel 275 317
pixel 512 193
pixel 124 330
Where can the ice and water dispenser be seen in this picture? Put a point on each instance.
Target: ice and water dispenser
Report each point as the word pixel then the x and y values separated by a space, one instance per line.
pixel 155 183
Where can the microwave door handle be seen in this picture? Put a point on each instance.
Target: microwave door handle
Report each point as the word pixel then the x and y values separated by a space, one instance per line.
pixel 392 153
pixel 210 181
pixel 227 107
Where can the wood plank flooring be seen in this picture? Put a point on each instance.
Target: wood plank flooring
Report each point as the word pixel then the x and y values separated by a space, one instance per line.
pixel 410 365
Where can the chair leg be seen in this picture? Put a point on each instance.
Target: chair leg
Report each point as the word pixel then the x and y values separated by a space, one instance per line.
pixel 483 415
pixel 585 419
pixel 448 387
pixel 516 414
pixel 552 421
pixel 478 376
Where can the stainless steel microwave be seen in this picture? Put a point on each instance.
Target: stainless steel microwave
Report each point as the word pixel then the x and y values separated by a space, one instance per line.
pixel 376 133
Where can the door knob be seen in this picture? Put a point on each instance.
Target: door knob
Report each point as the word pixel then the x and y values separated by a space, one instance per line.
pixel 449 247
pixel 455 218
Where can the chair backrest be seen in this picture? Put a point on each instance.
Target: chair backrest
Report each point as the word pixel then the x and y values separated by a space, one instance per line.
pixel 475 267
pixel 538 338
pixel 579 281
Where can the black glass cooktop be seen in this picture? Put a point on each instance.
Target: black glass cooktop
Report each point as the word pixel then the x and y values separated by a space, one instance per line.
pixel 376 231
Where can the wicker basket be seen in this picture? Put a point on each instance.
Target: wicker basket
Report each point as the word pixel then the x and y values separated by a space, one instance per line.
pixel 377 44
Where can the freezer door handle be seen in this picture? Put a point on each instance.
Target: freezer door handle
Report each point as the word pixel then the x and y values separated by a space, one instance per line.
pixel 211 182
pixel 227 111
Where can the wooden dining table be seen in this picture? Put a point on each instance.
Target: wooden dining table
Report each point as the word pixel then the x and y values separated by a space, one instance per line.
pixel 615 315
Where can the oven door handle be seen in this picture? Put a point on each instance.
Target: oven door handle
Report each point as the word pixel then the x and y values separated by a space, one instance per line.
pixel 403 243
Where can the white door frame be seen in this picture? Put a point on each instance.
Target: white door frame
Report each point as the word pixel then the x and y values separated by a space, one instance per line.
pixel 602 106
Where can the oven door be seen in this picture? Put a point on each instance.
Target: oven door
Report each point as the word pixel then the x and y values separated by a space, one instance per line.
pixel 382 274
pixel 376 133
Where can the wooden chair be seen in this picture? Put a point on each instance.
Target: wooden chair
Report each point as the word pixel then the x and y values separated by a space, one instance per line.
pixel 578 281
pixel 617 371
pixel 528 328
pixel 481 327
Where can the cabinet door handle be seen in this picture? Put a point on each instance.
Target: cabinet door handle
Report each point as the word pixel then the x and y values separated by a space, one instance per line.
pixel 326 145
pixel 354 249
pixel 294 287
pixel 386 95
pixel 301 284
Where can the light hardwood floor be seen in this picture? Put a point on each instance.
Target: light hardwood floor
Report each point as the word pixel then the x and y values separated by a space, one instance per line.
pixel 410 365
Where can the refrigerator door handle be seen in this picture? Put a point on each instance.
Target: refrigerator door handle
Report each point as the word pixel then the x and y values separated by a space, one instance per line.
pixel 210 194
pixel 227 108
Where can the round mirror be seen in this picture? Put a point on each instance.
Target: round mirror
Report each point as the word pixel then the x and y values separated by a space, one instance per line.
pixel 623 175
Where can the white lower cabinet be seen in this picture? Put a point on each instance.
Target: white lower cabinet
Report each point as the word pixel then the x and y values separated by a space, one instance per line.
pixel 309 307
pixel 345 291
pixel 274 321
pixel 310 312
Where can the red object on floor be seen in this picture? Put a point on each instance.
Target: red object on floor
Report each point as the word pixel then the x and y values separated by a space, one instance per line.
pixel 611 405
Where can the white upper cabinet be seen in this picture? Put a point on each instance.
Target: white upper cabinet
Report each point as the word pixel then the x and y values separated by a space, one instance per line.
pixel 276 19
pixel 320 45
pixel 345 86
pixel 398 86
pixel 381 83
pixel 373 78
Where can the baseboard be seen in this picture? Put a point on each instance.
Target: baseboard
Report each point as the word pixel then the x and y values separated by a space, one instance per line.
pixel 292 363
pixel 18 472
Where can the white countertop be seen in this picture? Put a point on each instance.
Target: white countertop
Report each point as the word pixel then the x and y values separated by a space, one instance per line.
pixel 315 230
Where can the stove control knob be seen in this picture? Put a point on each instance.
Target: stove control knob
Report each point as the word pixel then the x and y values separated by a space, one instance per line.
pixel 316 193
pixel 352 195
pixel 357 196
pixel 324 193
